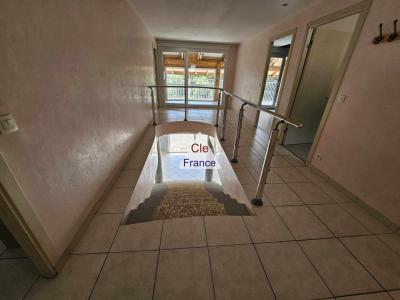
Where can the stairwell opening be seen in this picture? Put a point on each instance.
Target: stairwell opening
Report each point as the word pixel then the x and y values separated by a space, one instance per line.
pixel 184 185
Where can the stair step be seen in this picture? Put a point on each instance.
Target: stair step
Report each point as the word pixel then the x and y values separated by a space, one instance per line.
pixel 185 200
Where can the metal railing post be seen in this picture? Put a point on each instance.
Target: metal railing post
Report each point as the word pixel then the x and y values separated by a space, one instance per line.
pixel 237 138
pixel 153 106
pixel 218 108
pixel 226 102
pixel 186 102
pixel 273 137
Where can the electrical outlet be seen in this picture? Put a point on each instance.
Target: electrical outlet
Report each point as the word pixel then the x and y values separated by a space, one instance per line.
pixel 7 124
pixel 319 156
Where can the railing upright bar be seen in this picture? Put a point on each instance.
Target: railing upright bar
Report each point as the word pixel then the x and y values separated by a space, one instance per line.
pixel 186 102
pixel 226 103
pixel 218 108
pixel 258 107
pixel 273 137
pixel 237 138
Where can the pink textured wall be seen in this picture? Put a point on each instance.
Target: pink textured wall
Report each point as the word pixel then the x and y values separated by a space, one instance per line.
pixel 360 140
pixel 73 75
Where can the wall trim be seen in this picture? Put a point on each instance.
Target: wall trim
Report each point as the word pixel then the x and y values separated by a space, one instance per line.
pixel 381 217
pixel 362 8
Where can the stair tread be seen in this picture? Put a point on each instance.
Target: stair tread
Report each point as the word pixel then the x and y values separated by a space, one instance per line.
pixel 185 199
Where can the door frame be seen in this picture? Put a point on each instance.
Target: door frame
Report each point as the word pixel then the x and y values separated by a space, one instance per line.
pixel 23 224
pixel 186 47
pixel 362 8
pixel 267 59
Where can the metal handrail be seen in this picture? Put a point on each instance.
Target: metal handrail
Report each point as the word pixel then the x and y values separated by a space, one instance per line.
pixel 273 137
pixel 256 106
pixel 268 111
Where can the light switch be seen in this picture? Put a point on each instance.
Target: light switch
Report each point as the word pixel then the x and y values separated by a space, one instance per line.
pixel 7 124
pixel 341 98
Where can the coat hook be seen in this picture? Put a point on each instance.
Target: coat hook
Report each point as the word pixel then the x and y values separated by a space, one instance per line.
pixel 394 33
pixel 378 38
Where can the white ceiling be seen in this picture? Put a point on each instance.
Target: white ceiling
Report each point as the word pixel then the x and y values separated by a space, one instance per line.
pixel 229 21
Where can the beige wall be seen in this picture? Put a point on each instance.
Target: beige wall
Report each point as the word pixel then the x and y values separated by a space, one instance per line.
pixel 73 75
pixel 360 141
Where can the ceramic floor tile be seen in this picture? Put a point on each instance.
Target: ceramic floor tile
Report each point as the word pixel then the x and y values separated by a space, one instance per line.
pixel 99 235
pixel 244 176
pixel 137 237
pixel 251 190
pixel 279 161
pixel 127 179
pixel 226 230
pixel 395 294
pixel 381 261
pixel 373 296
pixel 116 201
pixel 340 222
pixel 294 161
pixel 392 240
pixel 280 150
pixel 343 274
pixel 281 194
pixel 303 223
pixel 313 176
pixel 16 277
pixel 309 193
pixel 291 274
pixel 333 192
pixel 128 275
pixel 272 176
pixel 247 151
pixel 369 222
pixel 291 174
pixel 183 233
pixel 13 253
pixel 184 274
pixel 75 281
pixel 267 226
pixel 247 161
pixel 238 274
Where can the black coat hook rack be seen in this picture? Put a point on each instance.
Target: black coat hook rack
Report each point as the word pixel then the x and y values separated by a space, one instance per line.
pixel 394 34
pixel 379 38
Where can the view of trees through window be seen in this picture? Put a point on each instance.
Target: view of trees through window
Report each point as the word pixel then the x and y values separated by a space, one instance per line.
pixel 203 70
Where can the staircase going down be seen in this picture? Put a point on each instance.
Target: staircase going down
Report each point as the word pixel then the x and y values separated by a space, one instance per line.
pixel 186 199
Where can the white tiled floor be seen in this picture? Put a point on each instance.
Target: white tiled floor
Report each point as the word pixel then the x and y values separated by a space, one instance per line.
pixel 309 241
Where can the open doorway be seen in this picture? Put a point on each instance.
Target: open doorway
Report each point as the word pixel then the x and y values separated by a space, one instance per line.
pixel 278 57
pixel 275 69
pixel 323 59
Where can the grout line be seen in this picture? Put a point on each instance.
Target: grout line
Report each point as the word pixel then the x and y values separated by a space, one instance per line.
pixel 352 217
pixel 158 258
pixel 351 253
pixel 226 245
pixel 104 262
pixel 209 257
pixel 309 259
pixel 259 258
pixel 366 293
pixel 31 286
pixel 343 206
pixel 378 236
